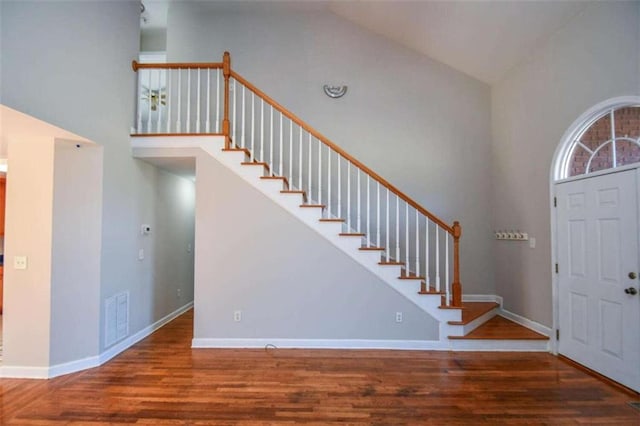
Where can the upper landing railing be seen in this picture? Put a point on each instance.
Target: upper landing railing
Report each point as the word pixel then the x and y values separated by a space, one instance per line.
pixel 212 99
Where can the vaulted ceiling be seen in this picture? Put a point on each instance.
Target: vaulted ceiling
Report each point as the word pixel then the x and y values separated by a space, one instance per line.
pixel 484 39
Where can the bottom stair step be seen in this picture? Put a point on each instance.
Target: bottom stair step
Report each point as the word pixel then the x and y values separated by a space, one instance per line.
pixel 500 328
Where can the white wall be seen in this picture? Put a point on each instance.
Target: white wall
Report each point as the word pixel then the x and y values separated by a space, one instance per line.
pixel 595 57
pixel 288 281
pixel 68 63
pixel 420 124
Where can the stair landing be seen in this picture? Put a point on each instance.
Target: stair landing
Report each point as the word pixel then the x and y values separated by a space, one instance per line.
pixel 500 328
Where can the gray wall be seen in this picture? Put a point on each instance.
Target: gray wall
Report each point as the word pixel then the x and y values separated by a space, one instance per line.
pixel 75 251
pixel 288 281
pixel 595 57
pixel 420 124
pixel 69 63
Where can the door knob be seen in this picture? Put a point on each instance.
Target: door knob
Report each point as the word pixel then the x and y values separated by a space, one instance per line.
pixel 633 275
pixel 631 290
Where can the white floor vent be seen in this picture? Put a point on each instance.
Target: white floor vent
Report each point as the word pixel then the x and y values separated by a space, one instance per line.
pixel 116 322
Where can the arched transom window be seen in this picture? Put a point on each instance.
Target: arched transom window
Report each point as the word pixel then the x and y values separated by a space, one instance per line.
pixel 610 139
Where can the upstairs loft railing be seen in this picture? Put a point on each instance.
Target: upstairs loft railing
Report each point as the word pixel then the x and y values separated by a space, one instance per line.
pixel 212 99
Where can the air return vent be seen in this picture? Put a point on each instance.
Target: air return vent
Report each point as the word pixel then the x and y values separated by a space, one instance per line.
pixel 116 322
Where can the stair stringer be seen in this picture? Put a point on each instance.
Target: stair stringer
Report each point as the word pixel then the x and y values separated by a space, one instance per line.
pixel 271 188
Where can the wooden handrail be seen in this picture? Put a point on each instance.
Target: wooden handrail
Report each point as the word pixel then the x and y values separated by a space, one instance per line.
pixel 343 153
pixel 175 65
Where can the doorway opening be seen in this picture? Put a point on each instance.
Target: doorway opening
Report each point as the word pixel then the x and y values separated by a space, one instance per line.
pixel 595 187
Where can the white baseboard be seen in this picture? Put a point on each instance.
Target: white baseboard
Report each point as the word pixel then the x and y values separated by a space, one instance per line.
pixel 525 322
pixel 482 298
pixel 19 372
pixel 132 340
pixel 23 372
pixel 320 344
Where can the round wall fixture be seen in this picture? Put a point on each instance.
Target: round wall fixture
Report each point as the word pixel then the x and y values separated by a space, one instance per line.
pixel 335 91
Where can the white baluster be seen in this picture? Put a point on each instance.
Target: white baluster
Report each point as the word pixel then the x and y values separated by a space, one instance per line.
pixel 271 170
pixel 207 123
pixel 417 244
pixel 319 172
pixel 169 100
pixel 198 104
pixel 242 122
pixel 291 152
pixel 309 172
pixel 358 217
pixel 339 214
pixel 426 253
pixel 398 231
pixel 406 237
pixel 300 159
pixel 235 112
pixel 446 262
pixel 149 91
pixel 368 228
pixel 139 103
pixel 218 100
pixel 188 100
pixel 253 123
pixel 280 150
pixel 437 249
pixel 387 246
pixel 159 107
pixel 179 118
pixel 329 182
pixel 262 130
pixel 377 214
pixel 348 195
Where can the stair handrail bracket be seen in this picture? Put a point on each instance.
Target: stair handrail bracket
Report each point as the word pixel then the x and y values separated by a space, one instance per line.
pixel 388 221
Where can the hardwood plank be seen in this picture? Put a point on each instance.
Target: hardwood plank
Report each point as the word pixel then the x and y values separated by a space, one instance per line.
pixel 162 381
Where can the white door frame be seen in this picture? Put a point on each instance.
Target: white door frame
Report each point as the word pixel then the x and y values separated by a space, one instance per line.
pixel 556 176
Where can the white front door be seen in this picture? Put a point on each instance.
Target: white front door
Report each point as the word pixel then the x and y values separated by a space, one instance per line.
pixel 599 304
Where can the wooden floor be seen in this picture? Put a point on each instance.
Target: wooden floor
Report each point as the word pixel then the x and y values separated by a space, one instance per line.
pixel 161 381
pixel 500 328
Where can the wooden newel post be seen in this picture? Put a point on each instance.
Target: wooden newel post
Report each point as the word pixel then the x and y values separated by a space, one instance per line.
pixel 456 287
pixel 226 72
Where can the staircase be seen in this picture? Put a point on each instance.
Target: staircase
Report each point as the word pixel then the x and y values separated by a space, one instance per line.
pixel 210 107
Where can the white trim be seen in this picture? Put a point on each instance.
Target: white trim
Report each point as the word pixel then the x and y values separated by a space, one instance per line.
pixel 132 340
pixel 525 322
pixel 73 366
pixel 482 298
pixel 500 345
pixel 24 372
pixel 199 343
pixel 560 157
pixel 20 372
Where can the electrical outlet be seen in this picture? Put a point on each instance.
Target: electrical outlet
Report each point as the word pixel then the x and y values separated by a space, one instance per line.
pixel 20 262
pixel 398 316
pixel 237 316
pixel 179 293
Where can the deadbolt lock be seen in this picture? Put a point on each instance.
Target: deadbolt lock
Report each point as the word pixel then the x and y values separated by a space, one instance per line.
pixel 633 275
pixel 631 290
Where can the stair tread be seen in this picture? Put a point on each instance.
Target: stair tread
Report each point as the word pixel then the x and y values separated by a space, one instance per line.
pixel 313 205
pixel 391 263
pixel 347 234
pixel 410 277
pixel 372 248
pixel 501 328
pixel 331 220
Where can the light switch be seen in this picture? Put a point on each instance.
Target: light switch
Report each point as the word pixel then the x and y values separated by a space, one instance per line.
pixel 141 254
pixel 532 242
pixel 20 262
